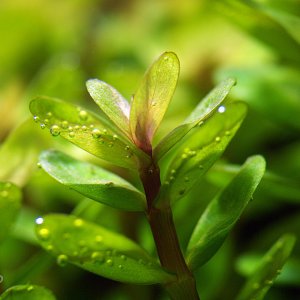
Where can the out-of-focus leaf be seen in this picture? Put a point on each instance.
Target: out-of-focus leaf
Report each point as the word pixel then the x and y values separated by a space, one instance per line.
pixel 92 181
pixel 152 98
pixel 223 212
pixel 10 203
pixel 86 130
pixel 111 102
pixel 199 149
pixel 27 292
pixel 270 267
pixel 98 250
pixel 203 110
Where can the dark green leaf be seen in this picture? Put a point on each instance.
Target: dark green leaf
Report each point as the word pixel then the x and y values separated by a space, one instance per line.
pixel 269 268
pixel 204 109
pixel 223 212
pixel 27 292
pixel 98 250
pixel 84 129
pixel 92 181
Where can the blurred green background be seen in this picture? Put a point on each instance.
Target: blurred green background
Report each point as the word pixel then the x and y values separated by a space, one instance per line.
pixel 52 47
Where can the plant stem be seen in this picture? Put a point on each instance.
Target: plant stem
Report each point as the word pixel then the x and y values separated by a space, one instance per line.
pixel 166 240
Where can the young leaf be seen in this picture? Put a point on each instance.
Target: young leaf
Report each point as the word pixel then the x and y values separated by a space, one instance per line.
pixel 27 292
pixel 200 148
pixel 98 250
pixel 203 110
pixel 84 129
pixel 10 203
pixel 92 181
pixel 111 103
pixel 223 212
pixel 152 99
pixel 270 267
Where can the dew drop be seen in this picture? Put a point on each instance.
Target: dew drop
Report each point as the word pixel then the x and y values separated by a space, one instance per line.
pixel 92 126
pixel 76 127
pixel 71 134
pixel 39 221
pixel 218 139
pixel 201 167
pixel 64 124
pixel 70 128
pixel 109 262
pixel 184 156
pixel 62 260
pixel 55 130
pixel 44 233
pixel 221 109
pixel 172 178
pixel 49 248
pixel 43 126
pixel 227 132
pixel 173 171
pixel 78 223
pixel 83 115
pixel 39 165
pixel 115 137
pixel 123 257
pixel 200 123
pixel 83 128
pixel 104 131
pixel 96 133
pixel 127 148
pixel 49 114
pixel 36 119
pixel 120 267
pixel 99 257
pixel 46 121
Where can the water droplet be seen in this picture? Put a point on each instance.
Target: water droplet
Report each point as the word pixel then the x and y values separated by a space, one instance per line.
pixel 44 233
pixel 70 128
pixel 104 131
pixel 39 220
pixel 218 139
pixel 71 134
pixel 96 133
pixel 120 267
pixel 172 178
pixel 39 165
pixel 200 123
pixel 36 119
pixel 83 115
pixel 64 124
pixel 166 58
pixel 78 223
pixel 268 282
pixel 173 171
pixel 46 121
pixel 49 247
pixel 99 257
pixel 43 126
pixel 123 257
pixel 76 127
pixel 227 132
pixel 55 130
pixel 49 114
pixel 62 260
pixel 99 239
pixel 153 103
pixel 127 148
pixel 115 137
pixel 167 182
pixel 92 126
pixel 221 109
pixel 83 128
pixel 109 262
pixel 184 156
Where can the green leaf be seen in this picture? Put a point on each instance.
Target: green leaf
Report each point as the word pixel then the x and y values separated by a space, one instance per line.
pixel 203 110
pixel 86 130
pixel 111 103
pixel 92 181
pixel 270 267
pixel 199 149
pixel 27 292
pixel 152 98
pixel 10 204
pixel 223 212
pixel 98 250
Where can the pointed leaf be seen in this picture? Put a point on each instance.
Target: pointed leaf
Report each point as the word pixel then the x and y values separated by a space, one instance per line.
pixel 199 149
pixel 203 110
pixel 223 212
pixel 27 292
pixel 98 250
pixel 10 204
pixel 84 129
pixel 152 98
pixel 270 267
pixel 92 181
pixel 111 103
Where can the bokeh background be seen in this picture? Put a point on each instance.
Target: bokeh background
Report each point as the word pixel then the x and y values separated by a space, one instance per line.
pixel 52 47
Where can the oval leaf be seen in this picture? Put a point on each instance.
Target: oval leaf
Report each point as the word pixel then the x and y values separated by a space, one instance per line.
pixel 98 250
pixel 270 267
pixel 200 149
pixel 10 204
pixel 152 98
pixel 27 292
pixel 84 129
pixel 203 110
pixel 223 212
pixel 92 181
pixel 111 103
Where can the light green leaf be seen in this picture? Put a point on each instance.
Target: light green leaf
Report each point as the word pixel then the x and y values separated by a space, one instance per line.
pixel 27 292
pixel 203 110
pixel 152 98
pixel 98 250
pixel 111 103
pixel 270 267
pixel 199 149
pixel 92 181
pixel 223 212
pixel 10 204
pixel 86 130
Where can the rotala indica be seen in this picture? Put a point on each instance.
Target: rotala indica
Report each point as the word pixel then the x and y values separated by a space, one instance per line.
pixel 168 171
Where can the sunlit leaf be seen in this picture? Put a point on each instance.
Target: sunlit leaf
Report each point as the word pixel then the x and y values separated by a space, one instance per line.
pixel 27 292
pixel 111 102
pixel 199 149
pixel 269 268
pixel 204 109
pixel 86 130
pixel 10 203
pixel 152 98
pixel 92 181
pixel 223 212
pixel 98 250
